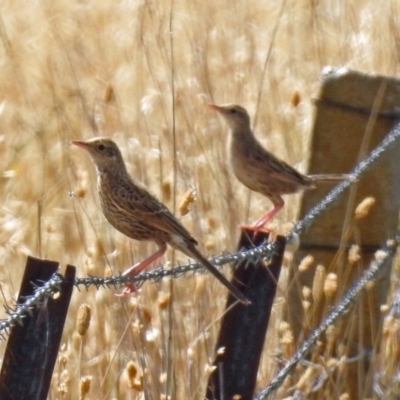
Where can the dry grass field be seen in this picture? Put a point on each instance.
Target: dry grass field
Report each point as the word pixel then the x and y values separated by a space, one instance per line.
pixel 142 72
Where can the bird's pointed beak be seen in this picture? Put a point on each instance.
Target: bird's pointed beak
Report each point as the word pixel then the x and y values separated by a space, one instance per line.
pixel 84 145
pixel 214 107
pixel 80 143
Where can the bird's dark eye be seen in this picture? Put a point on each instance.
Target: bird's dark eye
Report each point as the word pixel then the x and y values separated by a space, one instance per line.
pixel 233 111
pixel 101 147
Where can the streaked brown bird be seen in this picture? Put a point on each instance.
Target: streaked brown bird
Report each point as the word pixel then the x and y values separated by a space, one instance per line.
pixel 260 170
pixel 132 210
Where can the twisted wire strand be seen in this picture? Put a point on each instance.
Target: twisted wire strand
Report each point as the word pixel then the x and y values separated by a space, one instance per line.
pixel 17 314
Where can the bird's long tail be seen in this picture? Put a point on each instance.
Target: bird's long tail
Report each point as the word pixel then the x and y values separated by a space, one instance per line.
pixel 331 178
pixel 191 250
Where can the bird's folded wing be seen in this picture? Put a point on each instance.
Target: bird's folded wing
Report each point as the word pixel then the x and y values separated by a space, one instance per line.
pixel 279 170
pixel 140 204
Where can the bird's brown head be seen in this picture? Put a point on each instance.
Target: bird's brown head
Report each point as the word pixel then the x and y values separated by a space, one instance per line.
pixel 104 153
pixel 236 116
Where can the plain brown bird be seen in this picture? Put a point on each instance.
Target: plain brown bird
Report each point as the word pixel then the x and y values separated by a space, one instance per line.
pixel 260 170
pixel 132 210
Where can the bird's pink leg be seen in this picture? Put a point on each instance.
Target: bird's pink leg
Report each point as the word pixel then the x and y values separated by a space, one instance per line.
pixel 259 224
pixel 138 268
pixel 268 216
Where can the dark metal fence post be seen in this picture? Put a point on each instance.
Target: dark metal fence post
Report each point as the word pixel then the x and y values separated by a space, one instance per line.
pixel 244 328
pixel 32 347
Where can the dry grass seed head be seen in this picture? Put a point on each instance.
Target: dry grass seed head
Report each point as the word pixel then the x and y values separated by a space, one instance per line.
pixel 286 339
pixel 63 383
pixel 330 285
pixel 318 283
pixel 306 263
pixel 84 386
pixel 164 300
pixel 391 330
pixel 166 190
pixel 306 301
pixel 296 98
pixel 384 308
pixel 63 358
pixel 306 305
pixel 306 292
pixel 364 208
pixel 83 319
pixel 354 254
pixel 89 266
pixel 210 245
pixel 134 377
pixel 188 199
pixel 283 326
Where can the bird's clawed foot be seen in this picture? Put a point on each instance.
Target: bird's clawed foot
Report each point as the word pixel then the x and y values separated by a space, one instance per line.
pixel 138 268
pixel 128 289
pixel 255 228
pixel 259 225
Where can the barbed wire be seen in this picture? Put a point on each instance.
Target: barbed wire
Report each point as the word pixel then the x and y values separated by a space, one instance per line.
pixel 262 251
pixel 376 266
pixel 21 311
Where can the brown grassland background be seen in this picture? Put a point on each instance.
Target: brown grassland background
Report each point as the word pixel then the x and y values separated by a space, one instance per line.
pixel 77 69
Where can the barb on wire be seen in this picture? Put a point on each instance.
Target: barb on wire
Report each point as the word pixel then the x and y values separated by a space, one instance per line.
pixel 17 314
pixel 376 266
